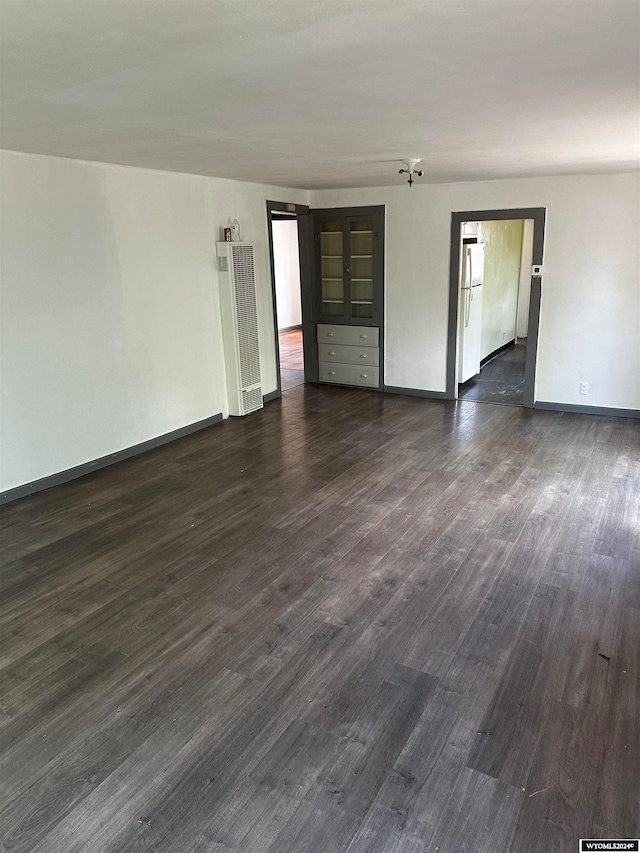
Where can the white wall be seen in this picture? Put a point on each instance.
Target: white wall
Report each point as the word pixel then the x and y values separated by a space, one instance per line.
pixel 590 313
pixel 503 251
pixel 110 328
pixel 286 261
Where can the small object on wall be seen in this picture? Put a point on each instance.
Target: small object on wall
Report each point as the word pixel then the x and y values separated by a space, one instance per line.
pixel 227 235
pixel 235 231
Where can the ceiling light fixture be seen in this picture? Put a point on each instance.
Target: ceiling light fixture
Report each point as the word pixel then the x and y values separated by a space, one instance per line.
pixel 411 170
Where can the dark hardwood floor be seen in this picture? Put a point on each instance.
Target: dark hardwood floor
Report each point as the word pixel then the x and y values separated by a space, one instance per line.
pixel 349 622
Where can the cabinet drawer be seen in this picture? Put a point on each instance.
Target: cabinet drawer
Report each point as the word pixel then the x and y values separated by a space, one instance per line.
pixel 349 355
pixel 349 374
pixel 362 336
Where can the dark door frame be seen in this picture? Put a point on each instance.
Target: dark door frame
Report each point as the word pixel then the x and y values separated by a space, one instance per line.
pixel 457 218
pixel 299 212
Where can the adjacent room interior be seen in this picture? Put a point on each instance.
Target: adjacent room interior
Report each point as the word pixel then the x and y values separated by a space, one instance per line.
pixel 294 557
pixel 286 260
pixel 494 310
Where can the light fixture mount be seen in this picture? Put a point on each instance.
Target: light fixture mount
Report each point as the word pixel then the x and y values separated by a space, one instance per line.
pixel 410 169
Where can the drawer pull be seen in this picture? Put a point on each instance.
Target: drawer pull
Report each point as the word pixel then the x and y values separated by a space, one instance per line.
pixel 363 375
pixel 330 334
pixel 332 353
pixel 363 336
pixel 332 373
pixel 363 356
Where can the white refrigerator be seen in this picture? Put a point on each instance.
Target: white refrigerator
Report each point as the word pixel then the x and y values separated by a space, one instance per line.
pixel 471 281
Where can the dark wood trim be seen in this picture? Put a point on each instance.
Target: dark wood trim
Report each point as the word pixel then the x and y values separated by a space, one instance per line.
pixel 309 339
pixel 283 206
pixel 454 298
pixel 272 395
pixel 111 459
pixel 363 210
pixel 274 299
pixel 538 215
pixel 290 328
pixel 381 313
pixel 587 410
pixel 535 300
pixel 272 207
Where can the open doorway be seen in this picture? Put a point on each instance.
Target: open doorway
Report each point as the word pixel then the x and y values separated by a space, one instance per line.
pixel 288 231
pixel 493 310
pixel 286 274
pixel 494 305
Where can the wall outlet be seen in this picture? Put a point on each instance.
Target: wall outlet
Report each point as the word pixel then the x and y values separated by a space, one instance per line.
pixel 584 387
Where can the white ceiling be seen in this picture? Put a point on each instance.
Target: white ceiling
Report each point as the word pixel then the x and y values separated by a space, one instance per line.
pixel 329 93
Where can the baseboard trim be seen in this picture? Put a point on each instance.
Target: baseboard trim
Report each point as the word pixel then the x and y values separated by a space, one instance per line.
pixel 415 392
pixel 111 459
pixel 496 352
pixel 587 410
pixel 290 328
pixel 272 395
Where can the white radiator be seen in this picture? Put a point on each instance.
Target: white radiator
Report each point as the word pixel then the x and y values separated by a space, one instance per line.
pixel 240 327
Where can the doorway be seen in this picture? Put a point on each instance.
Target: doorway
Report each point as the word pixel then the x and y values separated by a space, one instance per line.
pixel 287 227
pixel 286 264
pixel 493 310
pixel 494 305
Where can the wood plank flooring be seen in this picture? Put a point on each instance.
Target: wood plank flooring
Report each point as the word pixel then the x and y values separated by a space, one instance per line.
pixel 290 343
pixel 349 623
pixel 291 359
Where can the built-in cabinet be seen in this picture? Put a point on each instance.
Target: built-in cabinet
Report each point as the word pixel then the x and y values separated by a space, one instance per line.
pixel 349 294
pixel 349 355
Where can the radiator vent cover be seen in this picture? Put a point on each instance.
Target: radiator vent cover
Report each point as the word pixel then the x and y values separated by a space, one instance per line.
pixel 251 400
pixel 240 326
pixel 247 314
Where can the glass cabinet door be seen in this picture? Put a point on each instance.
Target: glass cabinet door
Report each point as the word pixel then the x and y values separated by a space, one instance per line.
pixel 361 268
pixel 332 296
